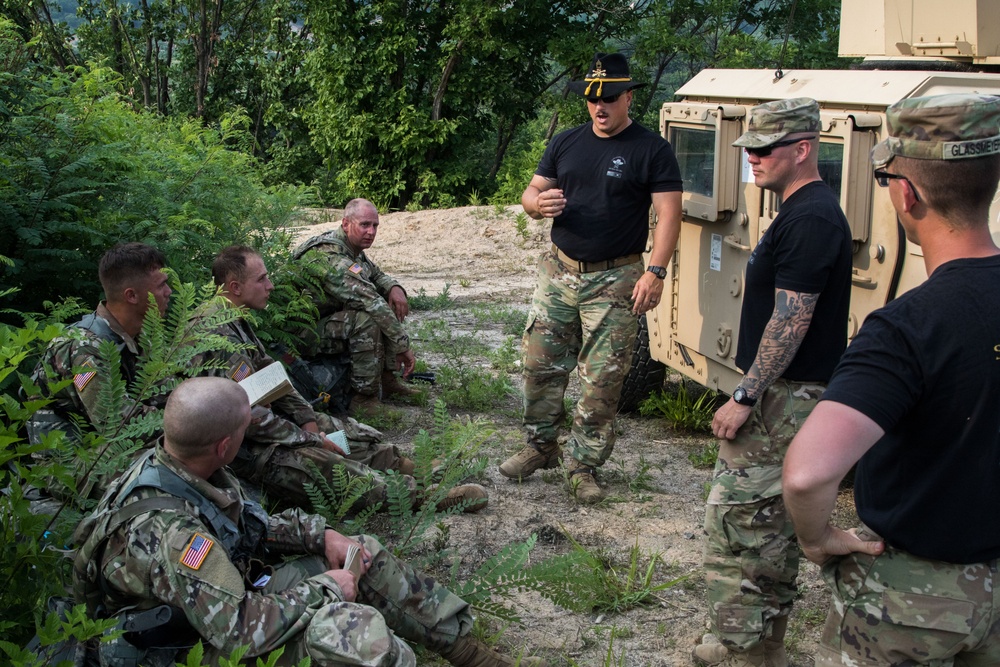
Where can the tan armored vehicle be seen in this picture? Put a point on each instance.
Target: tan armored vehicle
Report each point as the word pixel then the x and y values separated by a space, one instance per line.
pixel 911 48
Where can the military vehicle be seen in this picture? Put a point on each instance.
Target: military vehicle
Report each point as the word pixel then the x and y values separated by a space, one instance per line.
pixel 910 48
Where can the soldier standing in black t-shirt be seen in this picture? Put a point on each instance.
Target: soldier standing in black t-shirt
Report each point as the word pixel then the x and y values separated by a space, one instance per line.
pixel 793 329
pixel 597 182
pixel 914 403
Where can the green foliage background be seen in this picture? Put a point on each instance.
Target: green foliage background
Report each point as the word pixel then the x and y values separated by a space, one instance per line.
pixel 195 125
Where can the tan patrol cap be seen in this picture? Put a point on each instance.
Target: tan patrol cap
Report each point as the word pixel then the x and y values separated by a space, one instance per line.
pixel 941 127
pixel 773 121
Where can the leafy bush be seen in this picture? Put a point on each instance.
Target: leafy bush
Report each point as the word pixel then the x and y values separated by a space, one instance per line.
pixel 680 410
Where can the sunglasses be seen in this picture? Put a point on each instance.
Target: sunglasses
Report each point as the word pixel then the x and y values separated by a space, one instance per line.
pixel 767 150
pixel 883 177
pixel 610 99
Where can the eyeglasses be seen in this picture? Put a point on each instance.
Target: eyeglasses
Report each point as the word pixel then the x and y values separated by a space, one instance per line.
pixel 609 99
pixel 883 177
pixel 767 150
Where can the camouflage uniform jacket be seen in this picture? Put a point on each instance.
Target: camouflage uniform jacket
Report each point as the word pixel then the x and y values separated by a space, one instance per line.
pixel 78 350
pixel 282 425
pixel 355 283
pixel 171 556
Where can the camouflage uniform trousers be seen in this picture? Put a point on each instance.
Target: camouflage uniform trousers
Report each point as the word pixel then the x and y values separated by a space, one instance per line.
pixel 366 345
pixel 394 602
pixel 898 609
pixel 282 471
pixel 585 320
pixel 751 555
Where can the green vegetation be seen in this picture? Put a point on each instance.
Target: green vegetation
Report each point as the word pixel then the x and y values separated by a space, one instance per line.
pixel 421 301
pixel 680 410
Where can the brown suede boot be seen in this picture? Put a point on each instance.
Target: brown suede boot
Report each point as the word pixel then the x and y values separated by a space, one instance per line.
pixel 711 653
pixel 530 459
pixel 405 466
pixel 774 646
pixel 363 403
pixel 470 652
pixel 582 483
pixel 392 386
pixel 472 497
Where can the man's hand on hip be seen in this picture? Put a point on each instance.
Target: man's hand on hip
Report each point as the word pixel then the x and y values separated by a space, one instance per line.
pixel 729 418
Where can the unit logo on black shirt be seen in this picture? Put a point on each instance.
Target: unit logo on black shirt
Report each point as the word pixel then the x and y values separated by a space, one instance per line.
pixel 617 168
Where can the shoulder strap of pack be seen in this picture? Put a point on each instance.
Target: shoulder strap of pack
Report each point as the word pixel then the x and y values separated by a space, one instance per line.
pixel 98 326
pixel 311 243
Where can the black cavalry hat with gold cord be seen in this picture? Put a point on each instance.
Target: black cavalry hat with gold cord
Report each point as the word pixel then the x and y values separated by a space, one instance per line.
pixel 608 75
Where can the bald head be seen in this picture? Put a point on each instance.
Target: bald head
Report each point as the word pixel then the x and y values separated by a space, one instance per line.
pixel 201 412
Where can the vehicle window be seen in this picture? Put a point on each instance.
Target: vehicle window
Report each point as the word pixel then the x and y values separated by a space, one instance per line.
pixel 831 164
pixel 695 151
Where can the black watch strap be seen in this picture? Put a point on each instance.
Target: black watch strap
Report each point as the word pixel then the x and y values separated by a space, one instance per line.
pixel 741 397
pixel 658 271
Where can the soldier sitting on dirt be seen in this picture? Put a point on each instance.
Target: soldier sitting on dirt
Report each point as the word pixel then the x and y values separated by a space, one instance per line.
pixel 177 540
pixel 289 433
pixel 129 273
pixel 361 308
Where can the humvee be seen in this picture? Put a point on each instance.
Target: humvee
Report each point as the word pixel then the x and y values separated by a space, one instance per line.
pixel 911 48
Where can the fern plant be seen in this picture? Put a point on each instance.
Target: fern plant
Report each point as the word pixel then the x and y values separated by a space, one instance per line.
pixel 334 498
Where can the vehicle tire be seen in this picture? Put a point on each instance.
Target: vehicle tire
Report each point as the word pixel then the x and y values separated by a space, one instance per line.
pixel 646 374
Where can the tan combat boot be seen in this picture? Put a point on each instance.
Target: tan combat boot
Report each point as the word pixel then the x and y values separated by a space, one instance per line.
pixel 530 459
pixel 582 483
pixel 712 653
pixel 363 403
pixel 470 652
pixel 774 646
pixel 473 497
pixel 391 385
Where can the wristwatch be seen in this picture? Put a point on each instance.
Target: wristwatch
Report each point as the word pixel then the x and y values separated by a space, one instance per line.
pixel 740 396
pixel 658 271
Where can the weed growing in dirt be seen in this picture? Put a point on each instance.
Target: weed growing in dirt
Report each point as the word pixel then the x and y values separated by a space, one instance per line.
pixel 474 198
pixel 521 224
pixel 384 418
pixel 682 412
pixel 507 357
pixel 464 282
pixel 706 456
pixel 471 388
pixel 438 337
pixel 639 480
pixel 616 586
pixel 512 319
pixel 421 301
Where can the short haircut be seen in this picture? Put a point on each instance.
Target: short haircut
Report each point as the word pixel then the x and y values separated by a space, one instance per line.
pixel 202 411
pixel 127 264
pixel 960 191
pixel 231 264
pixel 355 207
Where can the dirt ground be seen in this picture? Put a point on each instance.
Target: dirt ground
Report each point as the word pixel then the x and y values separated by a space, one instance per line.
pixel 483 258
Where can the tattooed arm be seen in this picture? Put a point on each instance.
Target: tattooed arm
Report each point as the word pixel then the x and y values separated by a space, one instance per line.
pixel 782 337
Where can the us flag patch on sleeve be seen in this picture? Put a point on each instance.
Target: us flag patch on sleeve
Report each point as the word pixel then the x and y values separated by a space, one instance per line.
pixel 356 268
pixel 197 550
pixel 242 371
pixel 81 380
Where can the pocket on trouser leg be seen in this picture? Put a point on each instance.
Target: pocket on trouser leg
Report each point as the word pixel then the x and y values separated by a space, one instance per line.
pixel 739 627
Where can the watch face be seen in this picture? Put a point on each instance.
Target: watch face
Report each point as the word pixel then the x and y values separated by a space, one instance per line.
pixel 739 394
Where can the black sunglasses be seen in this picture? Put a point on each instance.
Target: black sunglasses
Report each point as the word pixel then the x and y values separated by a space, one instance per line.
pixel 610 99
pixel 883 177
pixel 767 150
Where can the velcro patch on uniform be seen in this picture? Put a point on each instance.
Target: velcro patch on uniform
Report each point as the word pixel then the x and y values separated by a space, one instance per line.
pixel 356 268
pixel 197 550
pixel 242 371
pixel 81 380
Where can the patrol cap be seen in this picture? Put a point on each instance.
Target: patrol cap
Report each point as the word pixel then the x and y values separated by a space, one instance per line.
pixel 941 127
pixel 773 121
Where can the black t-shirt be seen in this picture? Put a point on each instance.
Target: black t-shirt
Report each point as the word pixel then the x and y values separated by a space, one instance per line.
pixel 806 249
pixel 926 368
pixel 608 183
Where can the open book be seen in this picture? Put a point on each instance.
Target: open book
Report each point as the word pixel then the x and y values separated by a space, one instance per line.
pixel 267 384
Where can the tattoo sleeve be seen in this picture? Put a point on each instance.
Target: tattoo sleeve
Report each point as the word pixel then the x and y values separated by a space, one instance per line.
pixel 782 337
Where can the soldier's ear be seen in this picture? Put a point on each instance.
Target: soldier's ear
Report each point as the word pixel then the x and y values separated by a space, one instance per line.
pixel 233 287
pixel 131 295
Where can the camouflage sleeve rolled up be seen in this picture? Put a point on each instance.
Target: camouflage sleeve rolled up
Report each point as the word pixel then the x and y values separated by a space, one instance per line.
pixel 296 532
pixel 348 286
pixel 171 558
